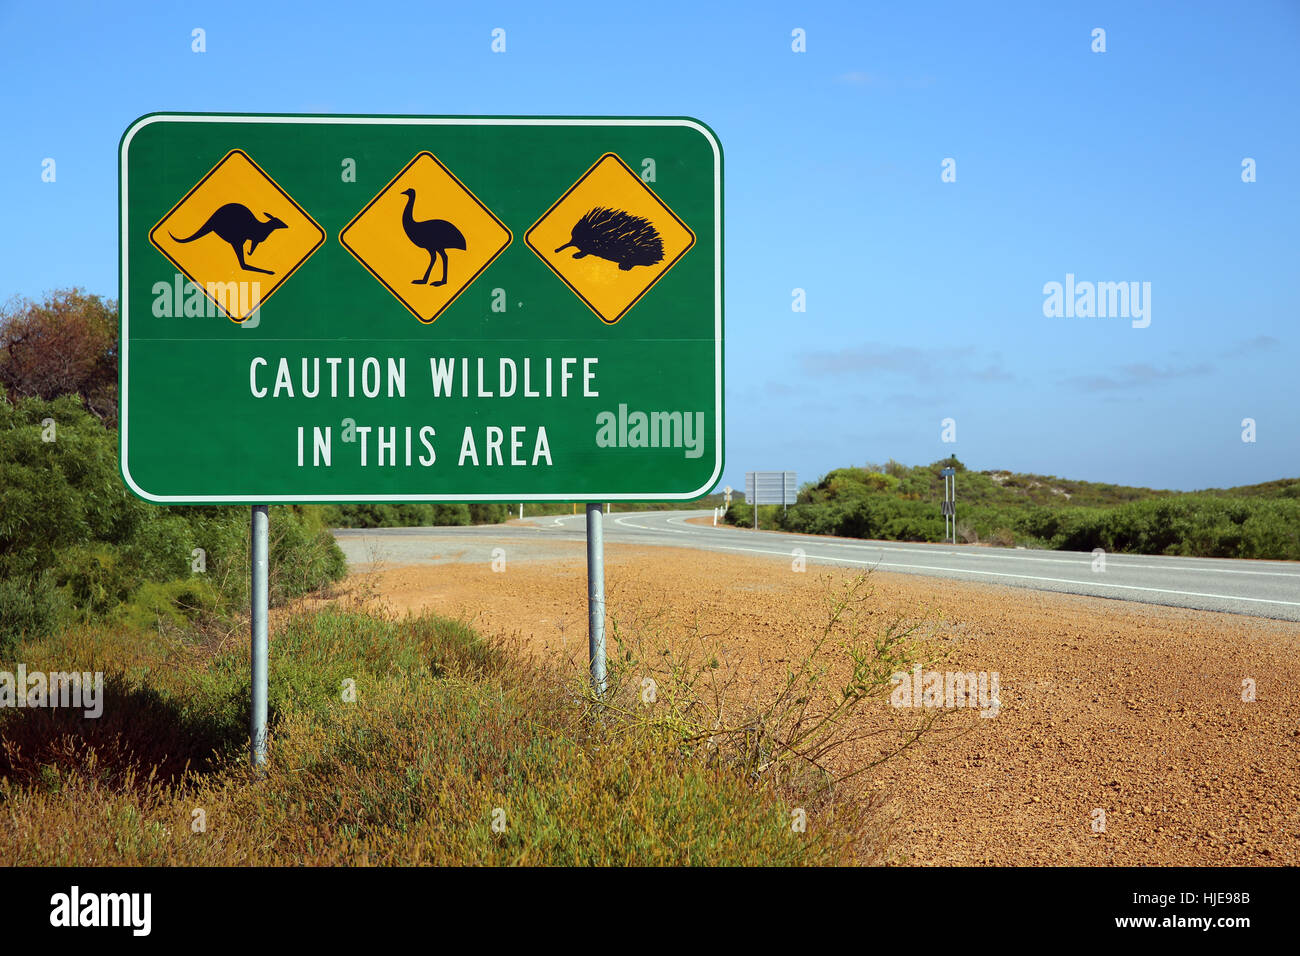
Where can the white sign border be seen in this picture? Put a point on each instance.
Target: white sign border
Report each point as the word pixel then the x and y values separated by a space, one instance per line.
pixel 124 214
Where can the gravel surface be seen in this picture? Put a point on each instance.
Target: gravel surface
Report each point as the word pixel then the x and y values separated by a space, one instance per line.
pixel 1132 709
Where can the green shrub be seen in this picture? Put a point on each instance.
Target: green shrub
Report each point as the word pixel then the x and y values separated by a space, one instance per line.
pixel 450 514
pixel 54 494
pixel 75 544
pixel 96 578
pixel 900 503
pixel 29 607
pixel 488 513
pixel 412 515
pixel 177 602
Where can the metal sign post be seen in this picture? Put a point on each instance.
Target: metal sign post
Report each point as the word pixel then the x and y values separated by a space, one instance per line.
pixel 260 564
pixel 949 504
pixel 596 596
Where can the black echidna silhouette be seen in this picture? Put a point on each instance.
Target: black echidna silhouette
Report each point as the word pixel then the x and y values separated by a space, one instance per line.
pixel 617 236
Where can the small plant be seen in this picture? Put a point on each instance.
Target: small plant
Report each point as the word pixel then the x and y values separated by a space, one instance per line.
pixel 807 730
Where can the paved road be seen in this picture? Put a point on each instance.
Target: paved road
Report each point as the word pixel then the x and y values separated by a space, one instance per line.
pixel 1261 588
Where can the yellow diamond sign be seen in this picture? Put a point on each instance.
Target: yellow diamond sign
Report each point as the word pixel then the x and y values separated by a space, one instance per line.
pixel 237 235
pixel 610 238
pixel 426 237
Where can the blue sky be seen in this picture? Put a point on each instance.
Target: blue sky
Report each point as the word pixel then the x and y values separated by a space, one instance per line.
pixel 924 298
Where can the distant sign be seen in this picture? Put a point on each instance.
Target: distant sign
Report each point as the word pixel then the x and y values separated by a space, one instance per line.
pixel 771 487
pixel 352 308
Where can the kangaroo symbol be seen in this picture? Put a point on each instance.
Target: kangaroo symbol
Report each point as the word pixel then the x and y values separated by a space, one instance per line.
pixel 235 223
pixel 434 236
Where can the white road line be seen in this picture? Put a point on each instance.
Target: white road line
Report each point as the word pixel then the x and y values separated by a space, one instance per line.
pixel 1023 577
pixel 641 527
pixel 1114 559
pixel 898 565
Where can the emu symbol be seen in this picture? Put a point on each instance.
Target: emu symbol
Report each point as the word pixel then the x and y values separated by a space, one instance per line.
pixel 434 236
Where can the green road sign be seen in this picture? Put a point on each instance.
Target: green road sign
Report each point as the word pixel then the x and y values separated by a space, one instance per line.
pixel 353 308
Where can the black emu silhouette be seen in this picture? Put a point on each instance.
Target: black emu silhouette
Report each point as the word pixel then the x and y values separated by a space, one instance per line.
pixel 434 236
pixel 616 236
pixel 236 224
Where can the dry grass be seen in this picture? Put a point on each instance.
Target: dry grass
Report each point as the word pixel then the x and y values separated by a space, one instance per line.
pixel 454 751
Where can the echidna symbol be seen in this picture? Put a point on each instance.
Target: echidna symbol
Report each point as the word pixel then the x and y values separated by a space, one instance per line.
pixel 617 236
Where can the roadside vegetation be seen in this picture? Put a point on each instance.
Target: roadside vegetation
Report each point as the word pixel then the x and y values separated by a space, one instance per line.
pixel 900 503
pixel 77 547
pixel 416 741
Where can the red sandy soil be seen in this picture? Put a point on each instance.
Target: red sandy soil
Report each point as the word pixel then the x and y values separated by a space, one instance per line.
pixel 1129 708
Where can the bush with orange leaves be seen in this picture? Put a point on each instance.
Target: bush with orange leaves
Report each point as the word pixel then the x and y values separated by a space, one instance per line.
pixel 67 344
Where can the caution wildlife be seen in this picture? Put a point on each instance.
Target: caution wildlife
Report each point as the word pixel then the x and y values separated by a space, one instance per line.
pixel 413 323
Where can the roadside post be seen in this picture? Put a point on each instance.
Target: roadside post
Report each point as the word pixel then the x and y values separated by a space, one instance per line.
pixel 404 309
pixel 596 597
pixel 260 534
pixel 949 504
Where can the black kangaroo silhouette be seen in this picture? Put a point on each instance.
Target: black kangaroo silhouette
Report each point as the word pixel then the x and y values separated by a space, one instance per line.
pixel 434 236
pixel 235 223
